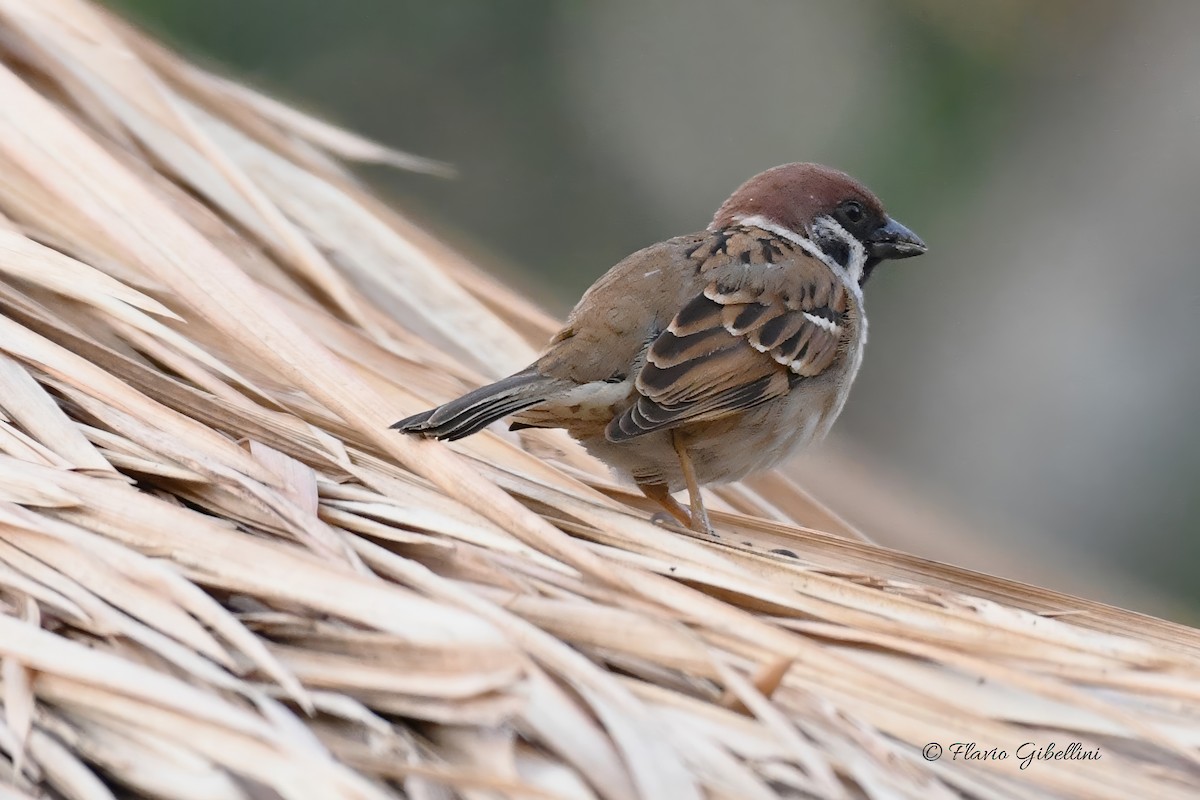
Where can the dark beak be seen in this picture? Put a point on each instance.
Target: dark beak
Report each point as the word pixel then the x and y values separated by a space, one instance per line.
pixel 893 240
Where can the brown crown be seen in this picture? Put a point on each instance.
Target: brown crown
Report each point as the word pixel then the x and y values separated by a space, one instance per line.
pixel 792 195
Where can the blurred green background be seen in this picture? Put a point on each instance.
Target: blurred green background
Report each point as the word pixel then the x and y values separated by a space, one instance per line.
pixel 1036 374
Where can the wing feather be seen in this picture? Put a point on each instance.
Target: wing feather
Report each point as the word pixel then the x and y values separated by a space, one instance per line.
pixel 739 343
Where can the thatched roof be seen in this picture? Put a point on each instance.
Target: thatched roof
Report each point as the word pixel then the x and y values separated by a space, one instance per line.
pixel 221 576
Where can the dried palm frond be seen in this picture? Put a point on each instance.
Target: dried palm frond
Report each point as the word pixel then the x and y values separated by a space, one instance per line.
pixel 221 576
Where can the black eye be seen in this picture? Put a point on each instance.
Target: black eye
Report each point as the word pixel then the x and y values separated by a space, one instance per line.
pixel 852 212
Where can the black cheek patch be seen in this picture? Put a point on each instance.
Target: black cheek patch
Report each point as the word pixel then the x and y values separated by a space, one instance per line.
pixel 837 250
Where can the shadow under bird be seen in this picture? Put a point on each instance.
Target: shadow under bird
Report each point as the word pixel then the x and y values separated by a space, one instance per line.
pixel 713 355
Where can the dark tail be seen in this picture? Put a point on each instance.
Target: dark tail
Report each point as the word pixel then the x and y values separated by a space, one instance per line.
pixel 476 410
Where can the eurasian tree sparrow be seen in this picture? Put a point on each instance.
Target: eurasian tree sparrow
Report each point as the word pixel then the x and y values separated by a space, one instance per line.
pixel 712 355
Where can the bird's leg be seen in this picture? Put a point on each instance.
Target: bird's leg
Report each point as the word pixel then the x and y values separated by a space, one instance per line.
pixel 659 494
pixel 700 523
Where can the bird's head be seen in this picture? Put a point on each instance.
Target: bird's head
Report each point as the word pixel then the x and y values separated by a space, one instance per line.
pixel 830 209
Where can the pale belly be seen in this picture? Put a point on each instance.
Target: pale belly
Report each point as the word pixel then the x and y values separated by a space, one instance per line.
pixel 735 447
pixel 722 451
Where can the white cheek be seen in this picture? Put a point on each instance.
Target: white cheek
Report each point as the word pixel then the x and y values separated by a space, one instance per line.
pixel 853 270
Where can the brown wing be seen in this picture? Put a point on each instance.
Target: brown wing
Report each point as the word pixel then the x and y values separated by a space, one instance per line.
pixel 736 345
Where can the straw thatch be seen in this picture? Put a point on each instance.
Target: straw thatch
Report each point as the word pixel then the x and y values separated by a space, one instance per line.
pixel 221 576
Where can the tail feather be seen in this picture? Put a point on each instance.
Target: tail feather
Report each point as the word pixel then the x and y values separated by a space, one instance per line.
pixel 477 409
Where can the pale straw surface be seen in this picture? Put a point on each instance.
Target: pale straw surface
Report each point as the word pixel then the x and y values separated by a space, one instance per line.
pixel 221 576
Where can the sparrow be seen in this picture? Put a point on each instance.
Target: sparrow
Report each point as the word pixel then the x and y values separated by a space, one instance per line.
pixel 713 355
